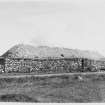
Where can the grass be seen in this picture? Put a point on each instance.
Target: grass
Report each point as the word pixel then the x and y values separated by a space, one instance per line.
pixel 16 98
pixel 65 88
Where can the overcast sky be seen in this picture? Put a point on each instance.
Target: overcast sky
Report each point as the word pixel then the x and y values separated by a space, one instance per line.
pixel 77 24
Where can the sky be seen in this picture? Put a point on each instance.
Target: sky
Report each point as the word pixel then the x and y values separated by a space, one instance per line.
pixel 74 24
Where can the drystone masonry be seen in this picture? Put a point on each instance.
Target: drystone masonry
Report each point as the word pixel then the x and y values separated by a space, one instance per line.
pixel 42 65
pixel 50 65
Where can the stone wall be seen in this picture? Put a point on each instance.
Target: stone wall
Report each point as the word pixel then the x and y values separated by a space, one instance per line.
pixel 42 65
pixel 51 65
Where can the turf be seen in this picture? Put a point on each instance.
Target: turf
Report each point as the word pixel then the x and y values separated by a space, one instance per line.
pixel 65 88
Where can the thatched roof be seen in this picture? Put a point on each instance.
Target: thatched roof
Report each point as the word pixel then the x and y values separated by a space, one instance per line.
pixel 29 51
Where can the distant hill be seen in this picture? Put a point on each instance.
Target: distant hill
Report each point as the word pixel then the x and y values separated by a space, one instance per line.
pixel 29 51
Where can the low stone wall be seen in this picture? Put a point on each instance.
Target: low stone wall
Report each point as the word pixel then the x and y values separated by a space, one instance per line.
pixel 51 65
pixel 29 65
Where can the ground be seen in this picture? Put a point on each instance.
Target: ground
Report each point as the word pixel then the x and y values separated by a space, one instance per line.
pixel 55 88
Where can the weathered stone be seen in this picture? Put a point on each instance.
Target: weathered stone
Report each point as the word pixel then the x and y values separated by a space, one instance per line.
pixel 50 65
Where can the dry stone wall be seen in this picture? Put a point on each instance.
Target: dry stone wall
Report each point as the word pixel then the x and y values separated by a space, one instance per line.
pixel 51 65
pixel 42 65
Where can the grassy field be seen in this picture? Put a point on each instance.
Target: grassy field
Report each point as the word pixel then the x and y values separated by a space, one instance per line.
pixel 62 88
